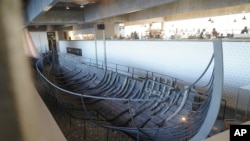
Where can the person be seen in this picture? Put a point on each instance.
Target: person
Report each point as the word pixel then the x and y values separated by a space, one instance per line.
pixel 132 36
pixel 202 34
pixel 136 35
pixel 214 33
pixel 245 30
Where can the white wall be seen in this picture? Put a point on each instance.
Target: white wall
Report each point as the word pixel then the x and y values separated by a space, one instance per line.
pixel 182 59
pixel 40 40
pixel 237 71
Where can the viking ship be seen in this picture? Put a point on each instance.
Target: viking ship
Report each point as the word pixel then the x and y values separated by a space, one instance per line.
pixel 147 106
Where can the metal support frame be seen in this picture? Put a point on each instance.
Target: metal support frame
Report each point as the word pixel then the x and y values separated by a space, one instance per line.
pixel 96 54
pixel 224 108
pixel 105 50
pixel 216 94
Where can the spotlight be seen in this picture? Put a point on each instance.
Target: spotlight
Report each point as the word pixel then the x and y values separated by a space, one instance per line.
pixel 244 18
pixel 183 119
pixel 209 19
pixel 67 7
pixel 235 20
pixel 81 6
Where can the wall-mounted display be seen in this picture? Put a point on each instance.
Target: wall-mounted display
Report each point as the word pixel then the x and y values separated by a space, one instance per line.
pixel 75 51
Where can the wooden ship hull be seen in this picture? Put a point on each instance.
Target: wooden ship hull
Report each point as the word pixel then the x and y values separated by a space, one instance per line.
pixel 146 105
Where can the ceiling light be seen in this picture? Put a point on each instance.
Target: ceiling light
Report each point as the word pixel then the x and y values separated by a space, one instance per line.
pixel 81 6
pixel 244 18
pixel 209 19
pixel 67 7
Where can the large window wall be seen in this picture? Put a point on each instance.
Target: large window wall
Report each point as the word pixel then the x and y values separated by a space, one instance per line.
pixel 226 26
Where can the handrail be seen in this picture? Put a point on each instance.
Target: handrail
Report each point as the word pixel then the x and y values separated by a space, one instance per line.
pixel 147 73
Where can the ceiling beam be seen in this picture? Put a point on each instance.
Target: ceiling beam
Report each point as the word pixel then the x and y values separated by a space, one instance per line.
pixel 209 12
pixel 109 8
pixel 36 8
pixel 189 9
pixel 60 17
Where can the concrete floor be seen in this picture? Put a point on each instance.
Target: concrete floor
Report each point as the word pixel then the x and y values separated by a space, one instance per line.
pixel 80 130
